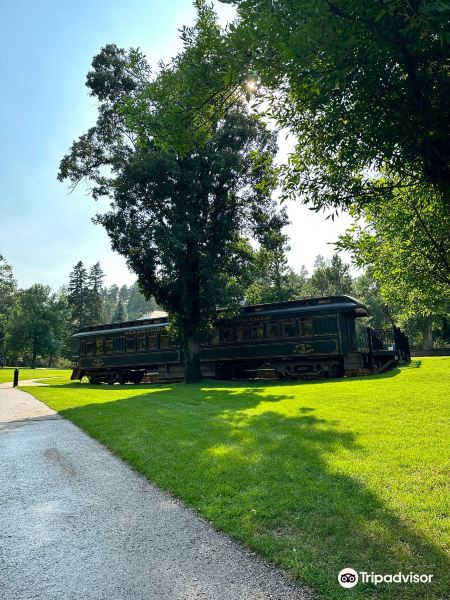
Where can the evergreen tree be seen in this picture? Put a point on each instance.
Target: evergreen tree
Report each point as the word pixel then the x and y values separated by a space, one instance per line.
pixel 124 294
pixel 119 313
pixel 137 305
pixel 275 281
pixel 78 296
pixel 94 296
pixel 109 302
pixel 329 277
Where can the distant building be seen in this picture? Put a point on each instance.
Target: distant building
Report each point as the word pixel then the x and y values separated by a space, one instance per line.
pixel 154 314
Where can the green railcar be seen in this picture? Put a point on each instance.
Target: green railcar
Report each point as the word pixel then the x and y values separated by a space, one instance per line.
pixel 310 337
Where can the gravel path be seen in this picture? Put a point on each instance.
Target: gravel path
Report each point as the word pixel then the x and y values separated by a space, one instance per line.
pixel 77 523
pixel 27 382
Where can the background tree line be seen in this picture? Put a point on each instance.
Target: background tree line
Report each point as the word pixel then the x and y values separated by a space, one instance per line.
pixel 36 323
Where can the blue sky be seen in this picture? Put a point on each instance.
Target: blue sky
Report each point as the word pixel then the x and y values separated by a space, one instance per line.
pixel 46 49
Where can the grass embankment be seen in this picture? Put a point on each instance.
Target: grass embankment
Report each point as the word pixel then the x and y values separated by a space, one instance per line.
pixel 7 373
pixel 316 476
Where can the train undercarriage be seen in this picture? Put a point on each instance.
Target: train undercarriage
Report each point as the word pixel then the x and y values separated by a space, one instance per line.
pixel 276 369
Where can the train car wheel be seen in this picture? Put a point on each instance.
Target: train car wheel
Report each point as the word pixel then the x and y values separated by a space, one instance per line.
pixel 137 377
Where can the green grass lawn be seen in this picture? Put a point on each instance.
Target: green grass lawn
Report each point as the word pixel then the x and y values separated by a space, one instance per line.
pixel 7 373
pixel 316 476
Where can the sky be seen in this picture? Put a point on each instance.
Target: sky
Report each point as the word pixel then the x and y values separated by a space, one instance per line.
pixel 46 49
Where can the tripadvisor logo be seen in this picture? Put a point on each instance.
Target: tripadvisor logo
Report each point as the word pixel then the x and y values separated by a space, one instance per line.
pixel 348 577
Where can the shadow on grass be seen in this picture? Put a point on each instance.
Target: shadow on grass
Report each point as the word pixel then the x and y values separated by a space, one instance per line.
pixel 264 478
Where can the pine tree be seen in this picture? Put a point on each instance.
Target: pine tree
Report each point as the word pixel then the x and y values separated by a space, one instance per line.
pixel 137 305
pixel 77 296
pixel 119 314
pixel 124 294
pixel 109 302
pixel 330 276
pixel 94 294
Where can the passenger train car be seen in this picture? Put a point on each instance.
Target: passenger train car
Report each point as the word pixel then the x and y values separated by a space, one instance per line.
pixel 310 337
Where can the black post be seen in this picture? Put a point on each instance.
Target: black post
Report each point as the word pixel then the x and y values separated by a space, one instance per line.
pixel 370 346
pixel 397 343
pixel 16 378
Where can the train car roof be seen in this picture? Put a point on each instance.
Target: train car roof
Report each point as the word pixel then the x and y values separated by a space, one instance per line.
pixel 289 307
pixel 306 304
pixel 286 308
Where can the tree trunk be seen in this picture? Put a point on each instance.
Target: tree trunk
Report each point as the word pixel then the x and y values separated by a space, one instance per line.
pixel 33 360
pixel 428 336
pixel 192 371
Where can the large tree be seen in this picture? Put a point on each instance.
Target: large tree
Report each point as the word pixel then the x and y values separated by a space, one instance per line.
pixel 179 219
pixel 94 298
pixel 38 323
pixel 77 295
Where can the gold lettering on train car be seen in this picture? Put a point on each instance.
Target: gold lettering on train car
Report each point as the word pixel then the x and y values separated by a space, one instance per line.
pixel 303 348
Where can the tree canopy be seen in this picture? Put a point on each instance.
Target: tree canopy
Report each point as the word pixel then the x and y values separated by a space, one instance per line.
pixel 406 244
pixel 363 86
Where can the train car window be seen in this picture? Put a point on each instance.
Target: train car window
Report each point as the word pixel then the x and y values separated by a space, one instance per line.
pixel 141 343
pixel 215 336
pixel 243 332
pixel 89 347
pixel 289 328
pixel 83 348
pixel 257 330
pixel 130 345
pixel 163 340
pixel 99 346
pixel 306 327
pixel 228 334
pixel 109 345
pixel 323 325
pixel 273 329
pixel 152 341
pixel 118 344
